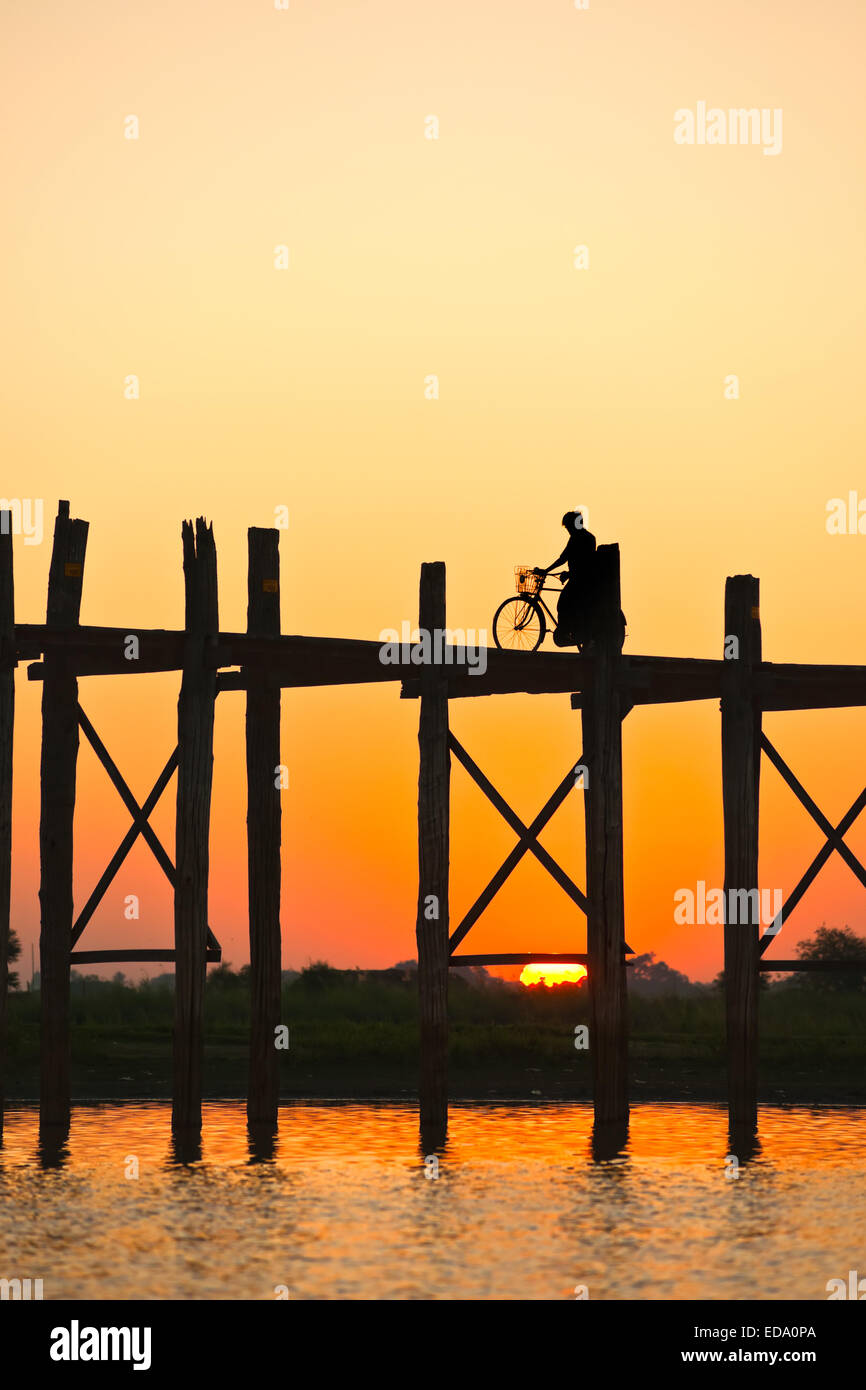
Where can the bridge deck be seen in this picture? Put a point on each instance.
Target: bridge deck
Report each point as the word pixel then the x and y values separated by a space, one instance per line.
pixel 311 661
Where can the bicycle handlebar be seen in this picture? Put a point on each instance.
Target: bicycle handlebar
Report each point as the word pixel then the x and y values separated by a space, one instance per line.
pixel 546 574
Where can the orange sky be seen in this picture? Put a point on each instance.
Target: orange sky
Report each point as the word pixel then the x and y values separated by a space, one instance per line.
pixel 305 388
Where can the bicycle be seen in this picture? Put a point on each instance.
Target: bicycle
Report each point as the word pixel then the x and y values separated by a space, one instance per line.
pixel 521 623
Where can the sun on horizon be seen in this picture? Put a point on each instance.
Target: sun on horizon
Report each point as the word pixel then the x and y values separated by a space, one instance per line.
pixel 551 975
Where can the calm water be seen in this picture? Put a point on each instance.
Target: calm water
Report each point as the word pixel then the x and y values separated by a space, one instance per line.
pixel 519 1209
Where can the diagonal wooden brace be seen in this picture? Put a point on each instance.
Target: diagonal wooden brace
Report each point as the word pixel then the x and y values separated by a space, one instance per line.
pixel 834 840
pixel 140 826
pixel 527 840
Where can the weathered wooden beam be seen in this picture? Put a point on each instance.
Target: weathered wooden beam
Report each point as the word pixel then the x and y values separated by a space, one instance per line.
pixel 7 721
pixel 195 724
pixel 786 966
pixel 33 638
pixel 325 660
pixel 109 957
pixel 94 651
pixel 802 685
pixel 301 661
pixel 602 753
pixel 641 680
pixel 305 660
pixel 657 680
pixel 431 929
pixel 57 781
pixel 741 769
pixel 521 958
pixel 232 680
pixel 264 815
pixel 505 673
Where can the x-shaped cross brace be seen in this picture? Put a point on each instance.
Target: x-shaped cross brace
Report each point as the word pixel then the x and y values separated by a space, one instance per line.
pixel 528 840
pixel 140 826
pixel 834 834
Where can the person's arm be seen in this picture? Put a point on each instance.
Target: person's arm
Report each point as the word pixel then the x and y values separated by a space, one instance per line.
pixel 560 561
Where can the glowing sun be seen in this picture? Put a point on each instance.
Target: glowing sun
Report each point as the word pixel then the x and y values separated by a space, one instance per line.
pixel 552 975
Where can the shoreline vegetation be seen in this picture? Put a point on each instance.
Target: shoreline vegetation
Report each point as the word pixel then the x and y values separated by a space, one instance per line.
pixel 354 1034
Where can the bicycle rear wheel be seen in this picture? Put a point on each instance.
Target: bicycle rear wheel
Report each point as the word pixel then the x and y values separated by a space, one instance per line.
pixel 519 624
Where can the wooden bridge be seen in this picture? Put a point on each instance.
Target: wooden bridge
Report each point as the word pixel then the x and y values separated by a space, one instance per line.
pixel 603 686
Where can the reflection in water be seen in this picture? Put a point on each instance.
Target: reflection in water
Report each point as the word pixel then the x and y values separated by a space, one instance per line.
pixel 53 1145
pixel 186 1146
pixel 521 1201
pixel 609 1140
pixel 432 1140
pixel 743 1143
pixel 262 1140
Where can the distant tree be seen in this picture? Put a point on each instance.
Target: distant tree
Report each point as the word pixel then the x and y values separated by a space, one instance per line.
pixel 13 953
pixel 163 981
pixel 476 975
pixel 87 984
pixel 223 977
pixel 320 975
pixel 833 943
pixel 646 975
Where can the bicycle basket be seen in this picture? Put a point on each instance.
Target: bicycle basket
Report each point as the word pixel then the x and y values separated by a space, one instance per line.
pixel 525 581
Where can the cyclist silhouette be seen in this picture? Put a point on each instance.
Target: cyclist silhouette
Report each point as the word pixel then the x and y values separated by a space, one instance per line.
pixel 575 603
pixel 585 615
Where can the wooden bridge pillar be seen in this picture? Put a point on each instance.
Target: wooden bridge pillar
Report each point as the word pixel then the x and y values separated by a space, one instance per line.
pixel 264 814
pixel 57 784
pixel 195 724
pixel 602 752
pixel 7 717
pixel 741 766
pixel 431 928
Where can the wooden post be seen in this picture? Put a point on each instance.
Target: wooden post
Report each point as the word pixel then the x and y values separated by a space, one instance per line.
pixel 57 774
pixel 431 928
pixel 7 719
pixel 195 723
pixel 264 814
pixel 741 766
pixel 602 751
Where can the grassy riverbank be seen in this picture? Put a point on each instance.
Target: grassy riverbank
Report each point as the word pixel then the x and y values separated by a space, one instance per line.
pixel 356 1036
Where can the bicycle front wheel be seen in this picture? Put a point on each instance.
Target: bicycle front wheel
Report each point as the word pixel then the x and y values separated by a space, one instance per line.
pixel 519 625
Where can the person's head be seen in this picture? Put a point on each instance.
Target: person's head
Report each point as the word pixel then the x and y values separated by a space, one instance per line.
pixel 573 521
